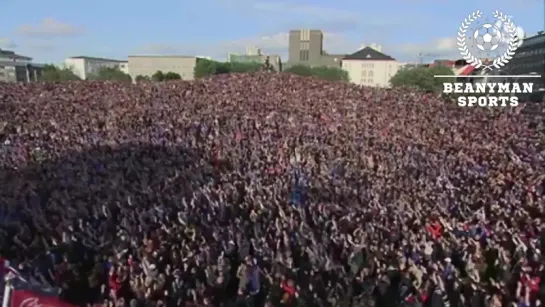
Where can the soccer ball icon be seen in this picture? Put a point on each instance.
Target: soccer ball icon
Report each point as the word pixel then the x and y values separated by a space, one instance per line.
pixel 487 37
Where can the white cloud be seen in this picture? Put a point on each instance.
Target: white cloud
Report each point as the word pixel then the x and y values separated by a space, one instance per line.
pixel 49 27
pixel 442 48
pixel 6 43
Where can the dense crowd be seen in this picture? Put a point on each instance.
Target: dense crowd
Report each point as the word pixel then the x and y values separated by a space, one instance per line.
pixel 270 190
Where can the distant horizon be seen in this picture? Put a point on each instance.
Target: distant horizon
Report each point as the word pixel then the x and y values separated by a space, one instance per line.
pixel 51 31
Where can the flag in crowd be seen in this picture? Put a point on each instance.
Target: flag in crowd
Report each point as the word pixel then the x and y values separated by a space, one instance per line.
pixel 19 292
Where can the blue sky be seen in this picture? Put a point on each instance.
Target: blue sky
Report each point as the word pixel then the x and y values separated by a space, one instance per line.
pixel 52 30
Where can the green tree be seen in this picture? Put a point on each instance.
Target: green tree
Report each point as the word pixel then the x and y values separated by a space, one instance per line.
pixel 322 72
pixel 141 78
pixel 330 73
pixel 158 76
pixel 222 68
pixel 245 67
pixel 422 78
pixel 172 76
pixel 51 73
pixel 204 68
pixel 301 70
pixel 111 74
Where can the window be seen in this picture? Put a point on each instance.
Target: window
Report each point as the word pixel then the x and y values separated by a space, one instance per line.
pixel 370 73
pixel 364 73
pixel 2 74
pixel 303 55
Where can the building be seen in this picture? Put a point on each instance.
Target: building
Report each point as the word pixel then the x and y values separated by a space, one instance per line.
pixel 253 51
pixel 274 59
pixel 306 47
pixel 370 67
pixel 18 68
pixel 84 66
pixel 459 67
pixel 254 55
pixel 529 59
pixel 147 65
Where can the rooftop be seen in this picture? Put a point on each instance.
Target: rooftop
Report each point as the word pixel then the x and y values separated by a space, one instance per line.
pixel 368 54
pixel 11 54
pixel 19 64
pixel 162 56
pixel 96 59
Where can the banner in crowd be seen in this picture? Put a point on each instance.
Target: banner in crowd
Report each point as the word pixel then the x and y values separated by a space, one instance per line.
pixel 28 298
pixel 6 272
pixel 18 292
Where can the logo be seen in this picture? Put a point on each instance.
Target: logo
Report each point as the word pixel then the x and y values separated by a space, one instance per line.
pixel 520 32
pixel 489 46
pixel 487 38
pixel 32 302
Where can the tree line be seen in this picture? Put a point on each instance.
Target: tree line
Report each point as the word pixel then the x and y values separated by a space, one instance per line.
pixel 52 73
pixel 159 76
pixel 205 68
pixel 423 78
pixel 419 77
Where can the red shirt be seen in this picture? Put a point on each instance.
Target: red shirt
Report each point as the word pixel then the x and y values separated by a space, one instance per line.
pixel 532 283
pixel 113 282
pixel 435 229
pixel 288 289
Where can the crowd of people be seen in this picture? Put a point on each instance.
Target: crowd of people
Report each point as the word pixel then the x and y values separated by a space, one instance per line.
pixel 270 189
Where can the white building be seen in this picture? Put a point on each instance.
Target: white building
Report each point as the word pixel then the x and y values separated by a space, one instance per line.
pixel 84 66
pixel 370 67
pixel 253 51
pixel 17 68
pixel 147 65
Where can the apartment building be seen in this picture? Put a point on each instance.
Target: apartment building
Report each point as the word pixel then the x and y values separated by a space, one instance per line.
pixel 84 66
pixel 370 67
pixel 18 68
pixel 529 59
pixel 147 65
pixel 306 47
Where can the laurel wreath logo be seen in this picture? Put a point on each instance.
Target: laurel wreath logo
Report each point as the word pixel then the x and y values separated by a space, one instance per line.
pixel 498 62
pixel 513 42
pixel 462 44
